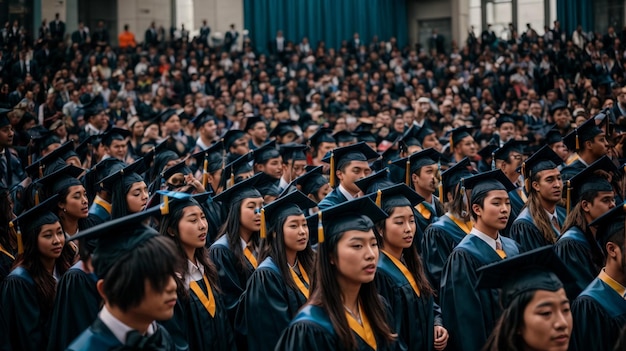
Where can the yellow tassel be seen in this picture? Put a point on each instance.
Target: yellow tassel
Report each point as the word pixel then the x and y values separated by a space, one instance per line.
pixel 36 197
pixel 320 228
pixel 451 143
pixel 205 176
pixel 18 236
pixel 577 142
pixel 379 198
pixel 165 207
pixel 263 233
pixel 232 177
pixel 332 170
pixel 407 171
pixel 40 171
pixel 567 204
pixel 442 196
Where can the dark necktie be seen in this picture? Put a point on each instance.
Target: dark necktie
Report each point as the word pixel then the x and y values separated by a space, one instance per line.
pixel 154 342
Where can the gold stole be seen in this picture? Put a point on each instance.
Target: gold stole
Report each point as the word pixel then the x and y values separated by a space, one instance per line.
pixel 404 271
pixel 299 283
pixel 4 251
pixel 465 226
pixel 421 209
pixel 107 206
pixel 207 302
pixel 250 257
pixel 619 289
pixel 364 331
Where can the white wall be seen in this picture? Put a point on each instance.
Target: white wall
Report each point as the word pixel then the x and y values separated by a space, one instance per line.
pixel 425 9
pixel 138 14
pixel 220 14
pixel 50 7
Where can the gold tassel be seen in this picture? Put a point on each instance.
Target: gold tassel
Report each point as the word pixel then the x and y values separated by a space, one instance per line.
pixel 407 172
pixel 36 197
pixel 40 170
pixel 442 196
pixel 263 231
pixel 567 204
pixel 205 176
pixel 165 208
pixel 18 236
pixel 577 142
pixel 451 143
pixel 332 170
pixel 379 198
pixel 320 228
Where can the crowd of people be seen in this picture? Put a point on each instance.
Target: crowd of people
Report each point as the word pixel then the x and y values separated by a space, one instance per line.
pixel 211 193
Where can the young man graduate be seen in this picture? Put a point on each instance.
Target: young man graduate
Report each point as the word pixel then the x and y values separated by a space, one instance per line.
pixel 461 144
pixel 470 314
pixel 294 163
pixel 509 158
pixel 100 210
pixel 600 310
pixel 589 142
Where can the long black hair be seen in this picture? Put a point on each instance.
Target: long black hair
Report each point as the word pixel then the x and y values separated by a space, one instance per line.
pixel 119 205
pixel 505 335
pixel 232 227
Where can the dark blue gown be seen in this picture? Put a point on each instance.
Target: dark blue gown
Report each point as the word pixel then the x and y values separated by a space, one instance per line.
pixel 574 250
pixel 525 232
pixel 333 198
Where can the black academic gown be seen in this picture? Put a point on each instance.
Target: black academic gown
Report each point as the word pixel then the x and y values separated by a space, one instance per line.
pixel 572 169
pixel 574 250
pixel 215 219
pixel 425 215
pixel 311 330
pixel 440 238
pixel 333 198
pixel 526 233
pixel 27 324
pixel 415 316
pixel 6 262
pixel 470 314
pixel 267 307
pixel 98 337
pixel 599 315
pixel 517 205
pixel 76 306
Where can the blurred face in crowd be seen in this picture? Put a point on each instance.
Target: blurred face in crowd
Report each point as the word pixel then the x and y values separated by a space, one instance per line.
pixel 507 131
pixel 535 109
pixel 562 118
pixel 466 147
pixel 352 172
pixel 432 141
pixel 561 150
pixel 172 125
pixel 598 146
pixel 324 148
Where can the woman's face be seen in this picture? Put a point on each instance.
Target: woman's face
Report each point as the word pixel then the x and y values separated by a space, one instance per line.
pixel 357 255
pixel 51 240
pixel 601 204
pixel 250 218
pixel 192 227
pixel 137 197
pixel 547 321
pixel 399 229
pixel 76 203
pixel 138 129
pixel 296 233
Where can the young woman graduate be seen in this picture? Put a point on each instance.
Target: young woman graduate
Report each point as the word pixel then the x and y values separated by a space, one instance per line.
pixel 600 310
pixel 400 276
pixel 27 293
pixel 577 247
pixel 442 236
pixel 234 252
pixel 344 311
pixel 280 285
pixel 470 314
pixel 129 191
pixel 8 239
pixel 200 317
pixel 536 312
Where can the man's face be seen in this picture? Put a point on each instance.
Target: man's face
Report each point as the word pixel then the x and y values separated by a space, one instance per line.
pixel 549 185
pixel 293 169
pixel 209 129
pixel 466 147
pixel 117 149
pixel 562 118
pixel 599 146
pixel 259 131
pixel 6 136
pixel 352 172
pixel 535 109
pixel 507 131
pixel 325 148
pixel 425 179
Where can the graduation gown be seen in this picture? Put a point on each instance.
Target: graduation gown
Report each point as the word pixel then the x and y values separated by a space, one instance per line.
pixel 98 337
pixel 6 262
pixel 574 250
pixel 425 214
pixel 76 306
pixel 311 330
pixel 215 219
pixel 438 242
pixel 27 324
pixel 470 314
pixel 333 198
pixel 517 204
pixel 101 210
pixel 572 169
pixel 526 233
pixel 599 315
pixel 415 316
pixel 267 307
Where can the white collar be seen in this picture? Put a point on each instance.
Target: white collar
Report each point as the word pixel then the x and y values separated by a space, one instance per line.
pixel 552 215
pixel 116 326
pixel 194 273
pixel 345 192
pixel 486 238
pixel 283 183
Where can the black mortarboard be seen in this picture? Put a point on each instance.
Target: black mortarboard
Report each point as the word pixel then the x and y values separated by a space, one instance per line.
pixel 344 136
pixel 416 161
pixel 238 166
pixel 211 159
pixel 166 115
pixel 28 221
pixel 252 121
pixel 242 190
pixel 457 134
pixel 93 107
pixel 512 145
pixel 4 118
pixel 311 181
pixel 100 171
pixel 114 134
pixel 482 183
pixel 282 129
pixel 422 133
pixel 43 138
pixel 367 137
pixel 610 223
pixel 359 214
pixel 588 181
pixel 177 200
pixel 453 176
pixel 180 167
pixel 278 210
pixel 268 185
pixel 542 160
pixel 397 195
pixel 486 153
pixel 292 151
pixel 339 157
pixel 538 269
pixel 557 105
pixel 409 138
pixel 131 172
pixel 585 132
pixel 322 135
pixel 553 136
pixel 36 169
pixel 61 179
pixel 505 119
pixel 231 136
pixel 374 181
pixel 266 152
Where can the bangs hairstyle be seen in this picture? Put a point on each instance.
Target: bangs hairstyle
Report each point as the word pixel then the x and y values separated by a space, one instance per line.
pixel 326 293
pixel 231 228
pixel 154 260
pixel 119 204
pixel 505 335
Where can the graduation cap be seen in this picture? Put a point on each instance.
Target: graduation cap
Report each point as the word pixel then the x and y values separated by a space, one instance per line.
pixel 557 105
pixel 177 200
pixel 237 167
pixel 458 134
pixel 588 180
pixel 277 211
pixel 409 138
pixel 100 171
pixel 344 136
pixel 167 114
pixel 374 181
pixel 422 133
pixel 358 214
pixel 486 153
pixel 482 183
pixel 210 160
pixel 292 151
pixel 311 181
pixel 367 137
pixel 4 118
pixel 611 223
pixel 538 269
pixel 252 121
pixel 505 119
pixel 243 190
pixel 398 195
pixel 231 137
pixel 553 136
pixel 114 134
pixel 178 169
pixel 282 129
pixel 322 135
pixel 268 185
pixel 512 145
pixel 585 132
pixel 127 175
pixel 418 160
pixel 61 179
pixel 28 221
pixel 36 169
pixel 341 156
pixel 453 176
pixel 266 152
pixel 93 107
pixel 42 138
pixel 542 160
pixel 365 125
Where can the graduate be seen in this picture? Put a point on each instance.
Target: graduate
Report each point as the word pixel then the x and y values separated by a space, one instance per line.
pixel 280 286
pixel 540 222
pixel 115 142
pixel 129 191
pixel 99 196
pixel 200 316
pixel 235 144
pixel 27 293
pixel 8 238
pixel 162 160
pixel 400 276
pixel 422 173
pixel 591 195
pixel 470 314
pixel 234 253
pixel 509 159
pixel 347 165
pixel 600 310
pixel 344 311
pixel 536 313
pixel 590 144
pixel 442 236
pixel 237 170
pixel 314 185
pixel 294 163
pixel 321 143
pixel 136 270
pixel 461 145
